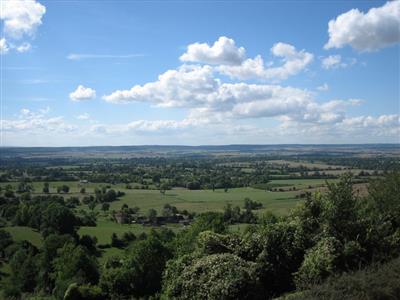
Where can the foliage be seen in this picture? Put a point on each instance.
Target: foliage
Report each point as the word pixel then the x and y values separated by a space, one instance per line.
pixel 74 265
pixel 5 241
pixel 250 204
pixel 185 241
pixel 49 252
pixel 139 274
pixel 23 270
pixel 319 262
pixel 374 283
pixel 209 242
pixel 214 277
pixel 83 292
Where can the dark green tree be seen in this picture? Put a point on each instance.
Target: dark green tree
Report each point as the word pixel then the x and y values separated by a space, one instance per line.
pixel 141 271
pixel 74 265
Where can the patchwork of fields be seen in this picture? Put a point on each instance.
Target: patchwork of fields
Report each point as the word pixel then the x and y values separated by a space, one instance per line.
pixel 197 201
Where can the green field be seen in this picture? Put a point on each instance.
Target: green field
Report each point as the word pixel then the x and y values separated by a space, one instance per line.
pixel 192 200
pixel 105 228
pixel 20 233
pixel 205 200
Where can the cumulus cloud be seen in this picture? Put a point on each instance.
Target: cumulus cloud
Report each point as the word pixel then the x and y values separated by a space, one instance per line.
pixel 195 86
pixel 82 93
pixel 222 52
pixel 376 29
pixel 332 62
pixel 336 61
pixel 230 60
pixel 210 100
pixel 383 128
pixel 21 17
pixel 187 86
pixel 293 62
pixel 36 122
pixel 212 104
pixel 4 48
pixel 329 125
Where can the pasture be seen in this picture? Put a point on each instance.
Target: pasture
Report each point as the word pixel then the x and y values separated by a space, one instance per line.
pixel 198 201
pixel 21 233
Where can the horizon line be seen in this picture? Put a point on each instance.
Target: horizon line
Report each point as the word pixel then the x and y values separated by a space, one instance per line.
pixel 210 145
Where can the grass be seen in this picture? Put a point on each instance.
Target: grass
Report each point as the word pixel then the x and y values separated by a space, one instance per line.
pixel 109 252
pixel 105 228
pixel 238 228
pixel 194 201
pixel 21 233
pixel 204 200
pixel 311 165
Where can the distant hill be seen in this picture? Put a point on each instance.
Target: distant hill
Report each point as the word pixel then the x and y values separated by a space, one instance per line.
pixel 168 150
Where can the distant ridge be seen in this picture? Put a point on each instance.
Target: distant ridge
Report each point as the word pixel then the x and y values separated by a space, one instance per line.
pixel 102 152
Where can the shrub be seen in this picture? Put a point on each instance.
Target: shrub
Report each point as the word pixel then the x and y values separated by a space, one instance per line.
pixel 214 277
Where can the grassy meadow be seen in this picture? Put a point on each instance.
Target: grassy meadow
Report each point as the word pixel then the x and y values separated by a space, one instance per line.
pixel 198 201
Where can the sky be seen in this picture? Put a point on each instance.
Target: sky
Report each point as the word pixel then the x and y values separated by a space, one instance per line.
pixel 87 73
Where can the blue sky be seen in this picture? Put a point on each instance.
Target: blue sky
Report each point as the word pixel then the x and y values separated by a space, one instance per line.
pixel 183 72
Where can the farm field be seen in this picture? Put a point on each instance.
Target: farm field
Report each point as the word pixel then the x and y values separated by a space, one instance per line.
pixel 205 200
pixel 311 165
pixel 21 233
pixel 193 200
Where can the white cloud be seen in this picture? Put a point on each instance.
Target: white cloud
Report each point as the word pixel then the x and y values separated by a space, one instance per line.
pixel 378 28
pixel 330 125
pixel 323 87
pixel 221 108
pixel 185 87
pixel 293 62
pixel 332 61
pixel 84 116
pixel 336 61
pixel 383 121
pixel 222 52
pixel 230 60
pixel 36 122
pixel 21 17
pixel 4 48
pixel 82 93
pixel 384 128
pixel 24 47
pixel 210 100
